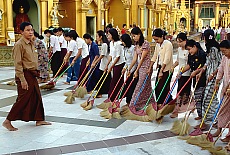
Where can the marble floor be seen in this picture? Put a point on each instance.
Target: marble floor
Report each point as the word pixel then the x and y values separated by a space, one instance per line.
pixel 78 132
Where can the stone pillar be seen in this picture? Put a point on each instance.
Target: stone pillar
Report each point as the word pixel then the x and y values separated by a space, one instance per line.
pixel 217 14
pixel 150 20
pixel 44 12
pixel 127 12
pixel 83 20
pixel 99 16
pixel 142 16
pixel 134 8
pixel 196 15
pixel 106 17
pixel 10 27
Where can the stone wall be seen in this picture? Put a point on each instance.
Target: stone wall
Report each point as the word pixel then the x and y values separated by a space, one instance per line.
pixel 6 56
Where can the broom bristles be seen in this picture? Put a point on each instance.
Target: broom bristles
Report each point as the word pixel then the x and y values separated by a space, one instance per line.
pixel 68 93
pixel 88 107
pixel 185 128
pixel 104 113
pixel 167 109
pixel 144 118
pixel 160 120
pixel 151 112
pixel 84 104
pixel 218 151
pixel 70 99
pixel 81 92
pixel 177 125
pixel 116 115
pixel 104 105
pixel 11 83
pixel 183 137
pixel 196 140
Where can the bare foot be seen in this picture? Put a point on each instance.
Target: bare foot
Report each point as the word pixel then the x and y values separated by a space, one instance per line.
pixel 7 124
pixel 66 83
pixel 198 118
pixel 40 123
pixel 226 139
pixel 99 96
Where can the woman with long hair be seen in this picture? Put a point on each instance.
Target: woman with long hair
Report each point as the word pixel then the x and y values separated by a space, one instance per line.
pixel 142 57
pixel 182 60
pixel 163 55
pixel 116 58
pixel 129 54
pixel 103 45
pixel 211 68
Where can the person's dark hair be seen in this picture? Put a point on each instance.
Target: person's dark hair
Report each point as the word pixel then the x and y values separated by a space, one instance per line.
pixel 124 25
pixel 87 36
pixel 225 44
pixel 192 43
pixel 55 30
pixel 127 40
pixel 210 40
pixel 36 34
pixel 109 26
pixel 104 38
pixel 60 29
pixel 136 31
pixel 66 34
pixel 48 31
pixel 159 33
pixel 73 34
pixel 182 36
pixel 114 34
pixel 40 37
pixel 24 24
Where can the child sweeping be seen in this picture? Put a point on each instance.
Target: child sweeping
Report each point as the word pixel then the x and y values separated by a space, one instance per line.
pixel 182 60
pixel 224 73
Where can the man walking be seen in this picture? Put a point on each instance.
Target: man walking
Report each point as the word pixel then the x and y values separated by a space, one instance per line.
pixel 28 105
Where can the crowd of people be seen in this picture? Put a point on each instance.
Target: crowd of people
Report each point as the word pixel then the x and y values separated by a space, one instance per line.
pixel 220 33
pixel 117 54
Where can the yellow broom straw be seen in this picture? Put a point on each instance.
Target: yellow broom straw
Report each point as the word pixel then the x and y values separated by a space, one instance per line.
pixel 101 84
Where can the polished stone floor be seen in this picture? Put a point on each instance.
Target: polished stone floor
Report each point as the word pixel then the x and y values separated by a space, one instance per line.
pixel 78 132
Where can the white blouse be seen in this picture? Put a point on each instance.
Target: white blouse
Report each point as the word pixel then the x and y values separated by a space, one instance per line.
pixel 129 54
pixel 103 50
pixel 82 45
pixel 116 50
pixel 72 46
pixel 182 59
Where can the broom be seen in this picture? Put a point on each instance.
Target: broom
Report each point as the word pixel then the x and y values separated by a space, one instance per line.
pixel 108 112
pixel 88 102
pixel 77 84
pixel 70 95
pixel 11 83
pixel 197 135
pixel 107 103
pixel 183 126
pixel 160 118
pixel 131 113
pixel 51 84
pixel 82 91
pixel 209 136
pixel 167 108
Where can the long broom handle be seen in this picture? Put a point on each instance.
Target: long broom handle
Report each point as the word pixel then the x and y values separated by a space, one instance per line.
pixel 126 90
pixel 96 85
pixel 85 77
pixel 209 105
pixel 81 76
pixel 62 65
pixel 216 114
pixel 116 85
pixel 120 91
pixel 173 86
pixel 221 133
pixel 142 87
pixel 151 95
pixel 101 85
pixel 90 75
pixel 164 87
pixel 61 74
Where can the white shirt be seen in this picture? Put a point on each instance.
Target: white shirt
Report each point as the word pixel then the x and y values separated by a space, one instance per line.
pixel 54 43
pixel 62 41
pixel 219 30
pixel 182 59
pixel 116 50
pixel 82 45
pixel 72 46
pixel 103 50
pixel 129 53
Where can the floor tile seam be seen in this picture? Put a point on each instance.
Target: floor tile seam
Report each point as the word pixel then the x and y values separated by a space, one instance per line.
pixel 123 138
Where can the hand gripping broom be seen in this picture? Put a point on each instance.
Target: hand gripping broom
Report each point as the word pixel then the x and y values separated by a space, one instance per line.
pixel 107 103
pixel 90 103
pixel 131 112
pixel 197 135
pixel 51 83
pixel 108 112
